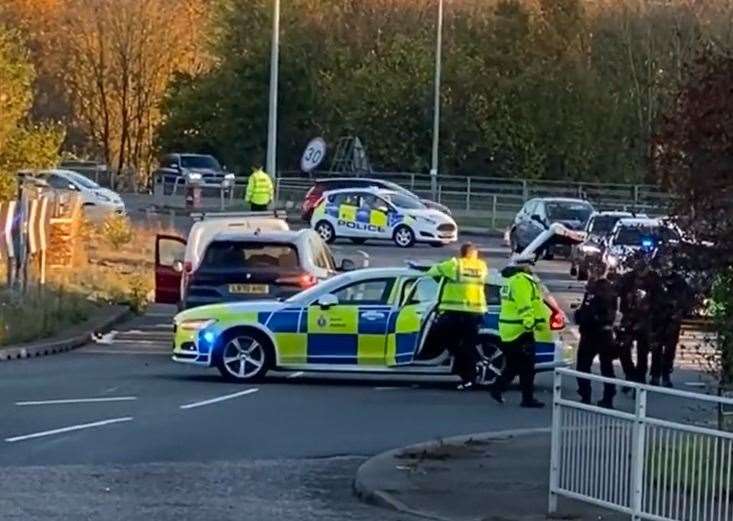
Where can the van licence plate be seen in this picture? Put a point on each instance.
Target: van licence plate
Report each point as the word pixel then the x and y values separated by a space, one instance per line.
pixel 258 289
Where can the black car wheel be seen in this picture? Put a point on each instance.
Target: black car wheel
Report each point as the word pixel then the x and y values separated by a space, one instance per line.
pixel 326 231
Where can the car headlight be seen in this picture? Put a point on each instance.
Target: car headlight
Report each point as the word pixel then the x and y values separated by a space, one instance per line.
pixel 194 176
pixel 589 248
pixel 196 324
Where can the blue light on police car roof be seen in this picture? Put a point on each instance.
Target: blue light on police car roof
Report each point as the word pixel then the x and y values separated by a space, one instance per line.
pixel 647 243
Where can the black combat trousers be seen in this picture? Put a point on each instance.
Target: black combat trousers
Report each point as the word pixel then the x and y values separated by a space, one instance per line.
pixel 257 207
pixel 520 360
pixel 459 332
pixel 665 350
pixel 600 344
pixel 627 335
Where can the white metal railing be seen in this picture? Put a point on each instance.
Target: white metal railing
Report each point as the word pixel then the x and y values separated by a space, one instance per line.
pixel 631 462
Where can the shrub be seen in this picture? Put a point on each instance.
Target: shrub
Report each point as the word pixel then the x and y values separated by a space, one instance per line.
pixel 117 230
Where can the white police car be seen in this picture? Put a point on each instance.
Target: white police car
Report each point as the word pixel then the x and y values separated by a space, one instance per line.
pixel 372 213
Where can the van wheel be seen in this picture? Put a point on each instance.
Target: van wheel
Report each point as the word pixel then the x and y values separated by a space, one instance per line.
pixel 403 236
pixel 245 356
pixel 326 231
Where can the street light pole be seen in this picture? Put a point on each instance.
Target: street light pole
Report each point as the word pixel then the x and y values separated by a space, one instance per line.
pixel 436 110
pixel 274 75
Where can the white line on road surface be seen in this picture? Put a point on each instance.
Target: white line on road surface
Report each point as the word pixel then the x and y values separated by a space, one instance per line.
pixel 219 399
pixel 79 400
pixel 296 374
pixel 112 351
pixel 68 429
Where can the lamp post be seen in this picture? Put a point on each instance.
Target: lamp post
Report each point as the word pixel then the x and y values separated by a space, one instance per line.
pixel 436 110
pixel 274 75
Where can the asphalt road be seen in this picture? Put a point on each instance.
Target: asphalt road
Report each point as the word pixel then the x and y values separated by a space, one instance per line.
pixel 116 431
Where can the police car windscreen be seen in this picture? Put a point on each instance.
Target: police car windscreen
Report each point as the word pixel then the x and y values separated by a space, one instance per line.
pixel 569 211
pixel 637 235
pixel 406 202
pixel 250 255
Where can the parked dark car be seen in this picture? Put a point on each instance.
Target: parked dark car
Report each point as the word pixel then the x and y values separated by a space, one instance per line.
pixel 538 214
pixel 192 164
pixel 588 254
pixel 335 183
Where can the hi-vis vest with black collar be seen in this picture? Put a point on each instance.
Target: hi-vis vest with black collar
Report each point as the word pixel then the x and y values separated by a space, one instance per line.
pixel 462 286
pixel 521 306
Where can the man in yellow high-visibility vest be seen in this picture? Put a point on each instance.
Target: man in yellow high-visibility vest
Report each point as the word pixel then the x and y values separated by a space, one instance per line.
pixel 462 306
pixel 260 190
pixel 521 312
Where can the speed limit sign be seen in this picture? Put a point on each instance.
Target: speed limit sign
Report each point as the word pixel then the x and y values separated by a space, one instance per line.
pixel 313 155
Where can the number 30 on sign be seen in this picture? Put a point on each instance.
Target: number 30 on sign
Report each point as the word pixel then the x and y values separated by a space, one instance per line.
pixel 313 155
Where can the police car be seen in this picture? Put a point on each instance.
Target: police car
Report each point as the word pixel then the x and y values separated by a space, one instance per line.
pixel 370 320
pixel 373 213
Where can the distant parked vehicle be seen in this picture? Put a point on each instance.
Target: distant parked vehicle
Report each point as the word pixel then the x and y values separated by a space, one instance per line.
pixel 637 236
pixel 336 183
pixel 98 202
pixel 538 214
pixel 587 255
pixel 194 166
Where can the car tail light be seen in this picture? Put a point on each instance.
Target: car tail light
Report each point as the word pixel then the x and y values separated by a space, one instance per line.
pixel 306 280
pixel 557 319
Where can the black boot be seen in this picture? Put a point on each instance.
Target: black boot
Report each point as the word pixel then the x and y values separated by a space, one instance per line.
pixel 532 404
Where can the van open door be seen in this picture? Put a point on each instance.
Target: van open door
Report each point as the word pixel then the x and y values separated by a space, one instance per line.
pixel 169 254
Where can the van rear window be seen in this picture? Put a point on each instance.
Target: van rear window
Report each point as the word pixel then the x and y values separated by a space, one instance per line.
pixel 253 255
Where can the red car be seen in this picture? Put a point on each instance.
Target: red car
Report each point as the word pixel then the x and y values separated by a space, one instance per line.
pixel 313 196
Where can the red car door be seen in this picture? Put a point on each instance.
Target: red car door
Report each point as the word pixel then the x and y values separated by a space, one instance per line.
pixel 169 254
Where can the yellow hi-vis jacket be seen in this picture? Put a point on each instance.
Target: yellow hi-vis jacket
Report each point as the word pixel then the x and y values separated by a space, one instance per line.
pixel 521 306
pixel 462 287
pixel 259 188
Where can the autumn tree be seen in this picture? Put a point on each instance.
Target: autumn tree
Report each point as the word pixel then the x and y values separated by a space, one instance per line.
pixel 22 143
pixel 694 160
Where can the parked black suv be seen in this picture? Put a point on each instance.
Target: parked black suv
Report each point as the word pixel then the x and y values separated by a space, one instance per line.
pixel 588 254
pixel 182 164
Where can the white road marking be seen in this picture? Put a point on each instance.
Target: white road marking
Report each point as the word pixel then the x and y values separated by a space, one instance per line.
pixel 79 400
pixel 68 429
pixel 219 399
pixel 295 374
pixel 154 352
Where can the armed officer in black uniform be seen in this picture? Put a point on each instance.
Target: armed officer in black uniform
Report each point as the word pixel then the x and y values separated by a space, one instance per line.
pixel 595 318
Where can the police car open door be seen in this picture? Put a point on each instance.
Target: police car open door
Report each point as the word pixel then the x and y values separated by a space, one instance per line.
pixel 411 321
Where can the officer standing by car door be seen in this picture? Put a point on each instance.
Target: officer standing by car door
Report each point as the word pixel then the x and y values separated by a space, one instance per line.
pixel 260 190
pixel 521 310
pixel 595 318
pixel 461 308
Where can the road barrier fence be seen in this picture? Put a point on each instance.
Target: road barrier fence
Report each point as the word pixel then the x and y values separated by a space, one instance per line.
pixel 496 200
pixel 635 463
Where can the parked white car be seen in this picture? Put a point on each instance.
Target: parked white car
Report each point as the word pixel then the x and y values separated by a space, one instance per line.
pixel 98 202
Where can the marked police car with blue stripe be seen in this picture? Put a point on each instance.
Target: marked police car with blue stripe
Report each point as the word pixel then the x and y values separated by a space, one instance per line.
pixel 370 320
pixel 373 213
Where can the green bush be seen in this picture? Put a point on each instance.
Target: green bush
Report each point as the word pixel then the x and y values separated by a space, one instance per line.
pixel 117 230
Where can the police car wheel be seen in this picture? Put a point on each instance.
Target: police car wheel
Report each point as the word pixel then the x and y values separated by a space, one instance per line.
pixel 403 237
pixel 245 356
pixel 326 231
pixel 494 361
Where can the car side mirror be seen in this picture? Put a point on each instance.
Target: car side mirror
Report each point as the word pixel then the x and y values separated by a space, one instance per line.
pixel 177 266
pixel 327 301
pixel 347 265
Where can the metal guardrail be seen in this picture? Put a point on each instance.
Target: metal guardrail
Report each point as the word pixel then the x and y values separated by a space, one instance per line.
pixel 649 468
